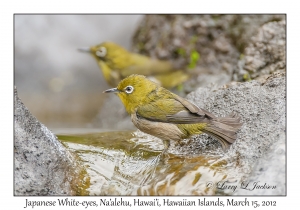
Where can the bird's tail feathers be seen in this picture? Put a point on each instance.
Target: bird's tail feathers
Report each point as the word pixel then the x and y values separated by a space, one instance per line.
pixel 224 129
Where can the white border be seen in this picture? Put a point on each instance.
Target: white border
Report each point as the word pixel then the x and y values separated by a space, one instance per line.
pixel 8 8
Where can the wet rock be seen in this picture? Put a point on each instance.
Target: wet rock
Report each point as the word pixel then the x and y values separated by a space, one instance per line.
pixel 42 165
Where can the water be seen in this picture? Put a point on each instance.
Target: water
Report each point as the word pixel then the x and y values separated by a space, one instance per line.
pixel 129 163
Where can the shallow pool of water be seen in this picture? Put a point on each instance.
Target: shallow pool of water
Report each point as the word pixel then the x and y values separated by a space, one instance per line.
pixel 129 163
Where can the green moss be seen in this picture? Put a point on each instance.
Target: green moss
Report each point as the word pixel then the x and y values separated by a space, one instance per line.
pixel 141 46
pixel 242 56
pixel 193 39
pixel 194 57
pixel 179 87
pixel 160 44
pixel 216 17
pixel 181 52
pixel 246 77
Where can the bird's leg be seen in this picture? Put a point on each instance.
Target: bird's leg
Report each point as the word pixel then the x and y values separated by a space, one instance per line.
pixel 164 152
pixel 163 157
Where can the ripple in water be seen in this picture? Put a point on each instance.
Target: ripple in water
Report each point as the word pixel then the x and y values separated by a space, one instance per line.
pixel 129 163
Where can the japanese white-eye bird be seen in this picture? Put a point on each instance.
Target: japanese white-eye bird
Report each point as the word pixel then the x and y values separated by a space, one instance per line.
pixel 116 63
pixel 161 113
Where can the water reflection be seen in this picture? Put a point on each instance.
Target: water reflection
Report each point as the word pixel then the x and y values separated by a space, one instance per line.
pixel 129 163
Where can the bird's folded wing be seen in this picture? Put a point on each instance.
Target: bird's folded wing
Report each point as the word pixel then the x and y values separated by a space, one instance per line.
pixel 140 64
pixel 193 108
pixel 170 111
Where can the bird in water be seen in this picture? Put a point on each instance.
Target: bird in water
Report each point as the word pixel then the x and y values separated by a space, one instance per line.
pixel 161 113
pixel 116 63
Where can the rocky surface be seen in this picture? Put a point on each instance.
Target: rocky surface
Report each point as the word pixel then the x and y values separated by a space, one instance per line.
pixel 261 105
pixel 269 169
pixel 42 166
pixel 259 151
pixel 218 40
pixel 265 54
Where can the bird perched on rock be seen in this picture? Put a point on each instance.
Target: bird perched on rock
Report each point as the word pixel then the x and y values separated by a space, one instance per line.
pixel 161 113
pixel 117 63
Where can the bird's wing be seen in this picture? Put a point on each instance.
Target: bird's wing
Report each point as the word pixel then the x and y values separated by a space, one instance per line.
pixel 172 111
pixel 193 108
pixel 139 64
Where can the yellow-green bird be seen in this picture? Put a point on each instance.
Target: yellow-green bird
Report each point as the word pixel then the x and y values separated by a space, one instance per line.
pixel 116 63
pixel 161 113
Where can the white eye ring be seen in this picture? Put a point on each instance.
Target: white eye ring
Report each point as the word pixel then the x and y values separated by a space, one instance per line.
pixel 101 52
pixel 129 89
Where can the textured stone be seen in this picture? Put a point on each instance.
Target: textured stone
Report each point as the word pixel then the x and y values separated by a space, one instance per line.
pixel 220 41
pixel 269 169
pixel 42 165
pixel 262 107
pixel 266 52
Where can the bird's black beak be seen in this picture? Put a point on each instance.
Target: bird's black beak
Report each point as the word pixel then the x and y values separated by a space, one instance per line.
pixel 112 90
pixel 84 49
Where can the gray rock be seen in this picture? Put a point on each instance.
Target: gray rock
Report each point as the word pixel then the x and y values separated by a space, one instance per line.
pixel 266 52
pixel 220 41
pixel 261 140
pixel 269 169
pixel 42 165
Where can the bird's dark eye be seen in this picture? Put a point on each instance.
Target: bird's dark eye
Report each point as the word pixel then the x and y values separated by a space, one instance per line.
pixel 101 52
pixel 129 89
